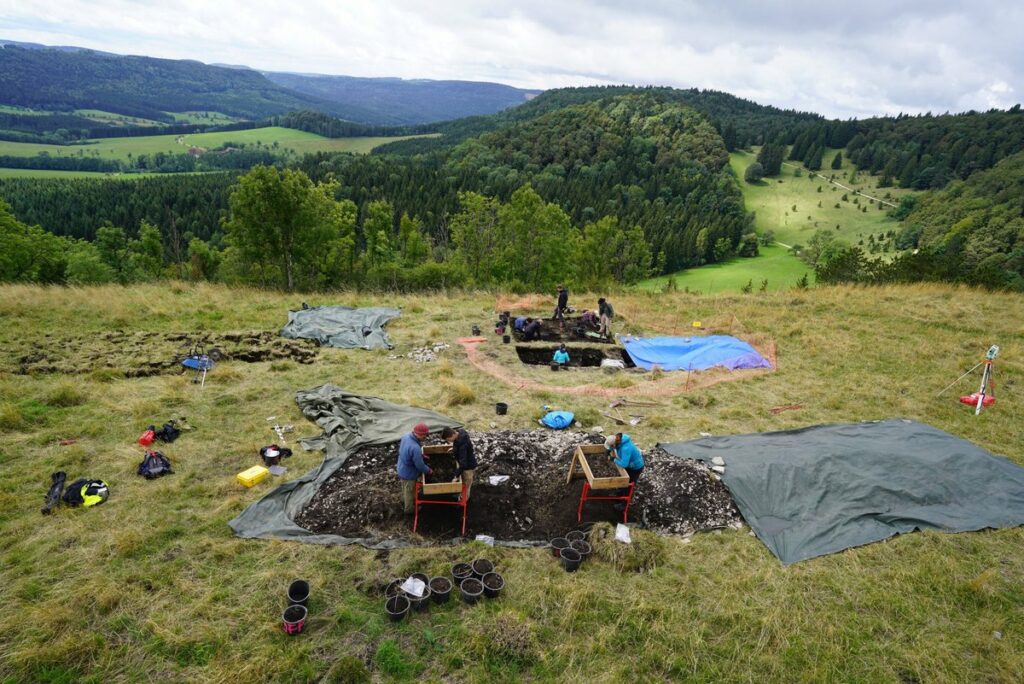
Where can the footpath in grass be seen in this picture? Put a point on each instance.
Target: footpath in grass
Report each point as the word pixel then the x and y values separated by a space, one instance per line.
pixel 794 208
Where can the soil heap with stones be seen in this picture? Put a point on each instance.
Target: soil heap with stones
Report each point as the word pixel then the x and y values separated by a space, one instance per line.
pixel 362 499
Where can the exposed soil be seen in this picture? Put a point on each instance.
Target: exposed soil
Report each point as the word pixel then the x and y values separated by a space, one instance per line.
pixel 574 330
pixel 443 467
pixel 587 357
pixel 602 466
pixel 493 581
pixel 363 499
pixel 141 354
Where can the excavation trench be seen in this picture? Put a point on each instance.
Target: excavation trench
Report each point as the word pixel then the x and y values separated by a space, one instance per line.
pixel 586 357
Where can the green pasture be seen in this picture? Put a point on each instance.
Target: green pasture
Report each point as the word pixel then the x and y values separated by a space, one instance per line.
pixel 123 149
pixel 775 264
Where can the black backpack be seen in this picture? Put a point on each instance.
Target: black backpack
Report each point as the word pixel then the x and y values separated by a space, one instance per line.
pixel 168 433
pixel 154 465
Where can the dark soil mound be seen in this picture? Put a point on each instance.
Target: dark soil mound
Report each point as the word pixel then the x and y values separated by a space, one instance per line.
pixel 363 498
pixel 141 354
pixel 574 330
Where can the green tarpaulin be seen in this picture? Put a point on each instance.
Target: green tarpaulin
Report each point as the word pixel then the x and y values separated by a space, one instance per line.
pixel 341 326
pixel 349 422
pixel 826 488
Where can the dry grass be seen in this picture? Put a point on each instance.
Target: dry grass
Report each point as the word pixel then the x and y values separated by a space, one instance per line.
pixel 153 586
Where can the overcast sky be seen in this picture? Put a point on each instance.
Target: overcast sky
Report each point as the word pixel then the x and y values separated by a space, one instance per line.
pixel 839 59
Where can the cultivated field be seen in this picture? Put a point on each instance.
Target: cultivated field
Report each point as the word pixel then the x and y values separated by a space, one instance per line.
pixel 123 149
pixel 153 586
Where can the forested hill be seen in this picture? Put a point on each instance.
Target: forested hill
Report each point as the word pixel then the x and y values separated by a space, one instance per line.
pixel 740 122
pixel 395 101
pixel 648 161
pixel 139 86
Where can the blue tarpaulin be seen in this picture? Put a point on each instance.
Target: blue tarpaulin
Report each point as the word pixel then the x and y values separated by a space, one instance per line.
pixel 692 353
pixel 558 420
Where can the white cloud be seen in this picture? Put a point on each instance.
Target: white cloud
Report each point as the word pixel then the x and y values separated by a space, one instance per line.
pixel 876 57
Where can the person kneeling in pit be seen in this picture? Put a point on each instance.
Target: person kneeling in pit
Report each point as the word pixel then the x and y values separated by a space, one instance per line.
pixel 628 457
pixel 561 356
pixel 465 457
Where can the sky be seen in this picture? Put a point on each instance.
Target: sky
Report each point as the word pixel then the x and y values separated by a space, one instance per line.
pixel 870 57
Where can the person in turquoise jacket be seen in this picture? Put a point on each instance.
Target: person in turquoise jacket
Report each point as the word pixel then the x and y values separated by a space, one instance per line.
pixel 627 456
pixel 561 356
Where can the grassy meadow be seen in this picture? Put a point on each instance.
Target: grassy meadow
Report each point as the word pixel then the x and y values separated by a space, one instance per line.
pixel 153 586
pixel 772 201
pixel 123 149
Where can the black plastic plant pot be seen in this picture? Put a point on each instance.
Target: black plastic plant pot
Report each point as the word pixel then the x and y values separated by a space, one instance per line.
pixel 571 559
pixel 461 571
pixel 555 366
pixel 394 588
pixel 582 547
pixel 420 602
pixel 557 544
pixel 586 528
pixel 482 566
pixel 421 576
pixel 575 535
pixel 298 593
pixel 493 584
pixel 471 589
pixel 505 339
pixel 294 619
pixel 397 607
pixel 440 589
pixel 501 408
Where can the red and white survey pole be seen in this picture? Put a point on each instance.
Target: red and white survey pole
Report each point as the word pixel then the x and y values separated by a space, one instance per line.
pixel 985 396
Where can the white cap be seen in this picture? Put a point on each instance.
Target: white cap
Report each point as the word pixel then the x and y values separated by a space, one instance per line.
pixel 610 443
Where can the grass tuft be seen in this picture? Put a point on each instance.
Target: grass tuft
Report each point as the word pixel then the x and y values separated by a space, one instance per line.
pixel 65 394
pixel 458 394
pixel 645 552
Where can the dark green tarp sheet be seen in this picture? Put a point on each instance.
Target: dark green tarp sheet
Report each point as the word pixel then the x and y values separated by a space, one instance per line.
pixel 822 489
pixel 349 422
pixel 341 326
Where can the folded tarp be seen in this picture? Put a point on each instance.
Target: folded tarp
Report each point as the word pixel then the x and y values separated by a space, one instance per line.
pixel 342 326
pixel 349 422
pixel 692 353
pixel 826 488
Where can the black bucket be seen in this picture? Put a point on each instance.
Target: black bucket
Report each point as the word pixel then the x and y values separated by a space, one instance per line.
pixel 461 571
pixel 440 589
pixel 471 588
pixel 555 365
pixel 557 544
pixel 493 584
pixel 582 547
pixel 571 559
pixel 482 566
pixel 420 602
pixel 501 408
pixel 397 607
pixel 298 593
pixel 394 588
pixel 294 619
pixel 506 338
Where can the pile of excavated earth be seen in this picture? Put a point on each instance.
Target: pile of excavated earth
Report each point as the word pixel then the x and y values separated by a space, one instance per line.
pixel 362 499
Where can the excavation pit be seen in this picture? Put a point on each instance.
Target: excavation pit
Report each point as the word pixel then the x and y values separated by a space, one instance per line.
pixel 574 330
pixel 579 357
pixel 362 500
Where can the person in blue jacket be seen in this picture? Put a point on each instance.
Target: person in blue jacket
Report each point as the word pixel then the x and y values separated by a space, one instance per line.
pixel 411 464
pixel 627 456
pixel 561 356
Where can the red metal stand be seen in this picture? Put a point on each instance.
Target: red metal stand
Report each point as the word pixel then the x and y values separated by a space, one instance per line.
pixel 585 497
pixel 434 502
